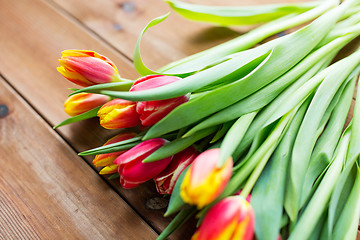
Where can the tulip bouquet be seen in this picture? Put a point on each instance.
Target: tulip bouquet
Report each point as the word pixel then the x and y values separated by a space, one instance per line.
pixel 248 139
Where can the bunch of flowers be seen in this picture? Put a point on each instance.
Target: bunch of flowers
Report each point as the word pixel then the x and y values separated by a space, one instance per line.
pixel 266 121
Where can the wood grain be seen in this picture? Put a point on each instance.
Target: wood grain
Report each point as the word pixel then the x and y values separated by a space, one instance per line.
pixel 32 34
pixel 34 38
pixel 47 191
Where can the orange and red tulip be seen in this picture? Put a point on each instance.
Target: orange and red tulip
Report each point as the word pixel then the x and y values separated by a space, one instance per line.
pixel 205 181
pixel 230 219
pixel 118 113
pixel 83 102
pixel 107 159
pixel 86 68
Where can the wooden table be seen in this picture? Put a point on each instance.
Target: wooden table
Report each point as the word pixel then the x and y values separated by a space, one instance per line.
pixel 46 190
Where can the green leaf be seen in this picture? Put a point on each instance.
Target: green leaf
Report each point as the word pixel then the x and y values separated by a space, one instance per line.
pixel 305 141
pixel 320 200
pixel 285 54
pixel 86 115
pixel 110 147
pixel 179 220
pixel 233 15
pixel 346 226
pixel 262 153
pixel 326 144
pixel 223 130
pixel 268 195
pixel 234 136
pixel 339 197
pixel 138 63
pixel 178 145
pixel 299 74
pixel 231 69
pixel 114 86
pixel 210 57
pixel 176 203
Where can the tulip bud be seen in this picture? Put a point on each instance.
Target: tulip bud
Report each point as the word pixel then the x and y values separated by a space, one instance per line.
pixel 83 102
pixel 86 68
pixel 106 159
pixel 133 171
pixel 231 218
pixel 153 111
pixel 118 113
pixel 205 181
pixel 165 181
pixel 112 168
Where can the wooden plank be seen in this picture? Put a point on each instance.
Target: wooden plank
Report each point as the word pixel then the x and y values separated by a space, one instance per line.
pixel 47 191
pixel 35 35
pixel 120 23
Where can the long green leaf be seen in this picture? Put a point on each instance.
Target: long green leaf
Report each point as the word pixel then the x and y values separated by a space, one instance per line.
pixel 263 152
pixel 268 194
pixel 138 63
pixel 292 49
pixel 223 130
pixel 305 140
pixel 321 197
pixel 209 57
pixel 177 222
pixel 232 15
pixel 178 145
pixel 339 197
pixel 346 226
pixel 114 86
pixel 326 144
pixel 108 148
pixel 308 67
pixel 234 137
pixel 285 55
pixel 89 114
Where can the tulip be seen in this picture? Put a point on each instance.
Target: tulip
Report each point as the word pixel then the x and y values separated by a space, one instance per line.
pixel 106 159
pixel 83 102
pixel 205 181
pixel 112 168
pixel 153 111
pixel 230 219
pixel 86 68
pixel 165 181
pixel 118 113
pixel 133 171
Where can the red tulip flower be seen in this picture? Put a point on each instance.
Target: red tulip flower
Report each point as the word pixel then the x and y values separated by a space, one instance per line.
pixel 133 171
pixel 153 111
pixel 165 181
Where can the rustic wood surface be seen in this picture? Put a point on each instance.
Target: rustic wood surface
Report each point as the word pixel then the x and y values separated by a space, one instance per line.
pixel 46 190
